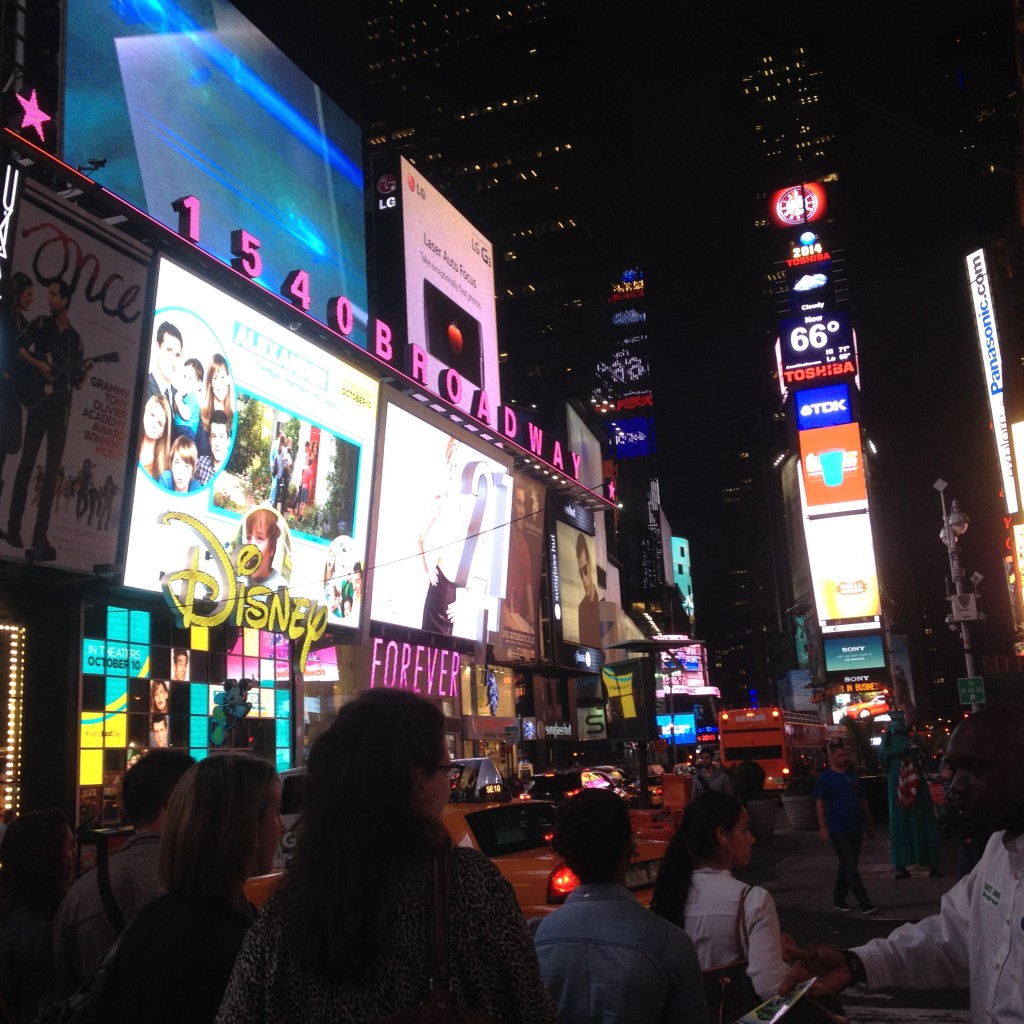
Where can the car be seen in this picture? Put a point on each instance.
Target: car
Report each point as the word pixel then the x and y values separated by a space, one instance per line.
pixel 557 785
pixel 514 834
pixel 877 705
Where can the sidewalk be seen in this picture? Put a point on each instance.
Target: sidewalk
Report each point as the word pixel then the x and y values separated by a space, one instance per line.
pixel 798 869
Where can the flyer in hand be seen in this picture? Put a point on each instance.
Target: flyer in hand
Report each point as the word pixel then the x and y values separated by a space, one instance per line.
pixel 775 1008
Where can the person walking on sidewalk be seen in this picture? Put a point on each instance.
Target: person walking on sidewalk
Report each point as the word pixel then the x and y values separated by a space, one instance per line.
pixel 710 776
pixel 843 816
pixel 974 941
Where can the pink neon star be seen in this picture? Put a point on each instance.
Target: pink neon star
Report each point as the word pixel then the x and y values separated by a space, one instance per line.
pixel 611 490
pixel 34 117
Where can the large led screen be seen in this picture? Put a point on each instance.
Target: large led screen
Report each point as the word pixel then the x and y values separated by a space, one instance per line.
pixel 186 97
pixel 628 700
pixel 76 304
pixel 576 596
pixel 842 560
pixel 516 638
pixel 852 653
pixel 583 442
pixel 832 468
pixel 260 437
pixel 449 293
pixel 442 531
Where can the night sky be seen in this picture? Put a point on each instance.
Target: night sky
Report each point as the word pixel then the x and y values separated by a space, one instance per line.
pixel 680 166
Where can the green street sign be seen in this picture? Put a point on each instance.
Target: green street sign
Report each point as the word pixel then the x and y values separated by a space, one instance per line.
pixel 972 690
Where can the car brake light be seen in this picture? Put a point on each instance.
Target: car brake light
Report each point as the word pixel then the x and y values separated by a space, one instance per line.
pixel 561 882
pixel 548 836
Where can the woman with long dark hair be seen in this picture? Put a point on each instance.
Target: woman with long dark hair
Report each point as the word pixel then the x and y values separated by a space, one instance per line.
pixel 222 825
pixel 348 937
pixel 218 394
pixel 696 890
pixel 36 862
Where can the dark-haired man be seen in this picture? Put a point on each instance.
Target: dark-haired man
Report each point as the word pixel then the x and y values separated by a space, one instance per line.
pixel 166 356
pixel 83 930
pixel 52 348
pixel 603 957
pixel 976 940
pixel 220 440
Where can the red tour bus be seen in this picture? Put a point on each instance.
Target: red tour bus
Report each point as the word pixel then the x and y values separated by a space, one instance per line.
pixel 779 741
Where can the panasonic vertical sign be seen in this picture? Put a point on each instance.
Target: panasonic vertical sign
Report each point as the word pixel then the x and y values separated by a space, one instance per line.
pixel 992 367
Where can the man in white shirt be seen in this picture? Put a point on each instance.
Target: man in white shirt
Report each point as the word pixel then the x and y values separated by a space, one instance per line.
pixel 976 940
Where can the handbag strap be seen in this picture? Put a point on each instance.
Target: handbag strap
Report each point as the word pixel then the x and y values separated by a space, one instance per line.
pixel 107 895
pixel 741 922
pixel 442 866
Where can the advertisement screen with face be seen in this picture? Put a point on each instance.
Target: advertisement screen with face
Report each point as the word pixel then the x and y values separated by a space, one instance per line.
pixel 260 436
pixel 76 307
pixel 832 468
pixel 516 638
pixel 190 96
pixel 577 598
pixel 841 553
pixel 449 290
pixel 442 531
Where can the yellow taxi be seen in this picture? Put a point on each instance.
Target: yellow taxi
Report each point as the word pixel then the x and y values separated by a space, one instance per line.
pixel 514 834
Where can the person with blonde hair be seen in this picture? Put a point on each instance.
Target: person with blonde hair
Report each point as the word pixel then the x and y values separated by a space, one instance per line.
pixel 155 446
pixel 348 937
pixel 223 825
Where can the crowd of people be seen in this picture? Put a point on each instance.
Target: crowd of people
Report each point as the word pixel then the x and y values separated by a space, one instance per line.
pixel 350 933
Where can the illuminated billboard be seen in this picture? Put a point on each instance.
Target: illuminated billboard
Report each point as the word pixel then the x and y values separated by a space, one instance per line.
pixel 832 468
pixel 435 289
pixel 628 694
pixel 841 554
pixel 260 438
pixel 852 653
pixel 583 441
pixel 677 729
pixel 816 346
pixel 442 531
pixel 517 634
pixel 186 100
pixel 75 301
pixel 992 370
pixel 576 558
pixel 823 407
pixel 797 204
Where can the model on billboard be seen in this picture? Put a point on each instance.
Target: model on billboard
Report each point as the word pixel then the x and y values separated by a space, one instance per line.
pixel 159 697
pixel 342 579
pixel 186 398
pixel 208 466
pixel 51 350
pixel 164 366
pixel 518 604
pixel 590 606
pixel 155 446
pixel 440 543
pixel 179 665
pixel 181 475
pixel 283 473
pixel 264 528
pixel 219 393
pixel 15 321
pixel 159 730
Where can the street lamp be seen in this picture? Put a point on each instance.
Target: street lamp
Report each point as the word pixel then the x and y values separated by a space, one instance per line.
pixel 964 604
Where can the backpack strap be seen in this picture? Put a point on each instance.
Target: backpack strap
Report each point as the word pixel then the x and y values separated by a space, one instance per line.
pixel 742 938
pixel 114 914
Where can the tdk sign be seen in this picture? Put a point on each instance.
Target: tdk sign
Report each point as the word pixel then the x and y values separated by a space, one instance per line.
pixel 823 407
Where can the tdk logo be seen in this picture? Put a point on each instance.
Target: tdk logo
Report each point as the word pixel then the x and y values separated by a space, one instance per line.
pixel 823 407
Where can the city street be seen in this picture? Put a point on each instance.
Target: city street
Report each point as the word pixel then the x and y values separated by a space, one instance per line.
pixel 798 868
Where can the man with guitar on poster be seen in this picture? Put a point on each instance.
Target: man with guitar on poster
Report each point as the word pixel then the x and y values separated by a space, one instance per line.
pixel 48 364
